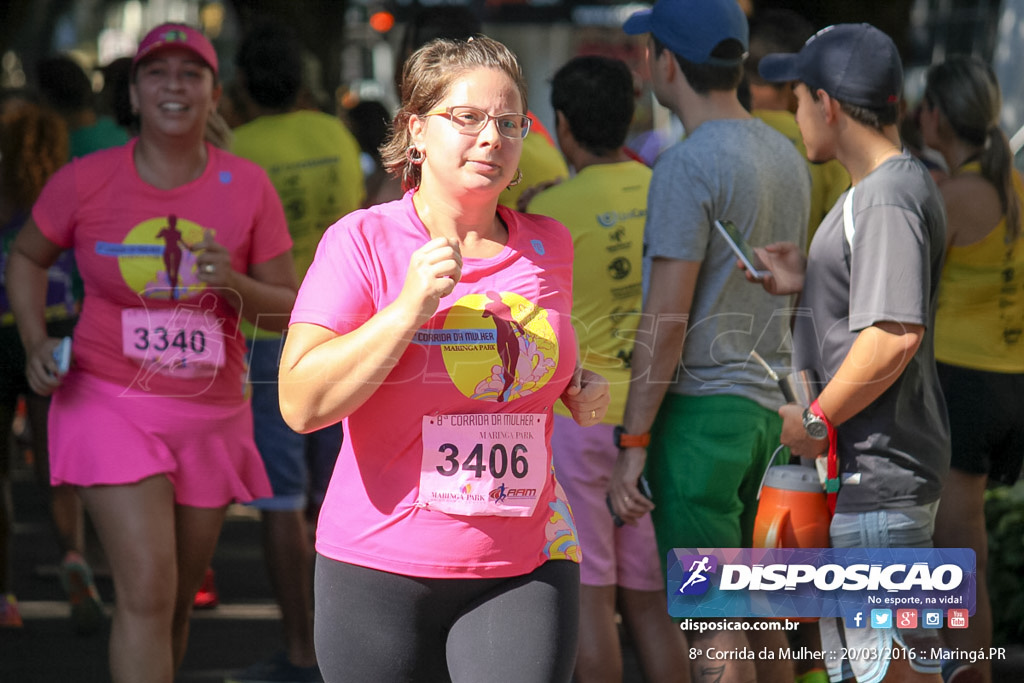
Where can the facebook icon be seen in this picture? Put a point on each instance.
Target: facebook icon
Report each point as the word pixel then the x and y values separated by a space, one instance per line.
pixel 855 620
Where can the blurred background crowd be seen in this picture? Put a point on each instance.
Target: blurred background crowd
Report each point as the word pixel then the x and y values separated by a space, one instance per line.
pixel 352 46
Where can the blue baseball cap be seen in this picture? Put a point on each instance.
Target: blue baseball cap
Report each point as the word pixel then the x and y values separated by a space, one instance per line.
pixel 853 63
pixel 693 28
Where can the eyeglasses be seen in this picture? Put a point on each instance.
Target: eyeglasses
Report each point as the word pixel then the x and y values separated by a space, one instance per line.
pixel 470 121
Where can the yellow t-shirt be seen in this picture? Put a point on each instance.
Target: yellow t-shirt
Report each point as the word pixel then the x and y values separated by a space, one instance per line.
pixel 541 161
pixel 828 180
pixel 604 206
pixel 313 162
pixel 979 322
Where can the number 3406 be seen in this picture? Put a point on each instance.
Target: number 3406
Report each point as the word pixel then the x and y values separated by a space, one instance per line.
pixel 498 462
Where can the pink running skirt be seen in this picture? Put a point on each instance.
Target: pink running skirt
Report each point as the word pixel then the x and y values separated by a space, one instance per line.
pixel 98 436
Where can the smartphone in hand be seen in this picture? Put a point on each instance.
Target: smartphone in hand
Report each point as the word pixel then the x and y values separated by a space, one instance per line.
pixel 645 490
pixel 62 354
pixel 742 250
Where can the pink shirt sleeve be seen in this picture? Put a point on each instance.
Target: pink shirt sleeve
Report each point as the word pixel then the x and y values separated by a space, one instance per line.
pixel 338 290
pixel 55 209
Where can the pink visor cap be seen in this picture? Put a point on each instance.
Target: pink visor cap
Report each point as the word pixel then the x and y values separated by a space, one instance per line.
pixel 177 35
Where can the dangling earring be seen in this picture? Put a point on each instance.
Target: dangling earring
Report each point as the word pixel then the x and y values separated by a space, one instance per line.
pixel 518 179
pixel 414 154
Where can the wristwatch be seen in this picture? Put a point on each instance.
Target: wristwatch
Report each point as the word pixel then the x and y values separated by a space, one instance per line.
pixel 815 426
pixel 624 440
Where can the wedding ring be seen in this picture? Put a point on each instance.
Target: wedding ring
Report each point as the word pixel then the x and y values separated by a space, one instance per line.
pixel 208 268
pixel 626 499
pixel 593 414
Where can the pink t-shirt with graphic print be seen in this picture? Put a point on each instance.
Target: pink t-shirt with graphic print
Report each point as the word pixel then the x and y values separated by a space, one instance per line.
pixel 468 407
pixel 147 322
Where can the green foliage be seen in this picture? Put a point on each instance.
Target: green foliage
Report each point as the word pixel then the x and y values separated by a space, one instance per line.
pixel 1004 518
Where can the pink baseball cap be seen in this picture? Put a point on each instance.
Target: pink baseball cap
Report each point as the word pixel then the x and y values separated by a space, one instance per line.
pixel 177 35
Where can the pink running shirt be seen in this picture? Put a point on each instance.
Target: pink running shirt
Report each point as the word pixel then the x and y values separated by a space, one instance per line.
pixel 502 342
pixel 131 243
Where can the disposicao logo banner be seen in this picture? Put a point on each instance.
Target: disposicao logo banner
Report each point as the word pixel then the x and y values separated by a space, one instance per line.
pixel 817 582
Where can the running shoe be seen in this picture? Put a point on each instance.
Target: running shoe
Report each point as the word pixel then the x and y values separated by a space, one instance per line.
pixel 86 607
pixel 206 596
pixel 10 617
pixel 277 670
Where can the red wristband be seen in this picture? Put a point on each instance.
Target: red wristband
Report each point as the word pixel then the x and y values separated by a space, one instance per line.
pixel 832 470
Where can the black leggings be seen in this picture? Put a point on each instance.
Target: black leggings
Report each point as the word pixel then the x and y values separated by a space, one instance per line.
pixel 378 627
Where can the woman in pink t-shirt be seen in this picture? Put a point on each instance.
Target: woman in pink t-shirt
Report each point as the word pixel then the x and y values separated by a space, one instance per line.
pixel 438 327
pixel 175 240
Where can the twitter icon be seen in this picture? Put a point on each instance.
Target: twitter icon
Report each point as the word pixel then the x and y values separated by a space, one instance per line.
pixel 881 618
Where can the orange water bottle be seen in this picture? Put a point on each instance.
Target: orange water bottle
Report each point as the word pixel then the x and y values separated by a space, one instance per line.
pixel 792 511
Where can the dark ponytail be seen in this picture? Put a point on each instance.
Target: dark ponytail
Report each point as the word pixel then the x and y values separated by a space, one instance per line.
pixel 997 167
pixel 966 92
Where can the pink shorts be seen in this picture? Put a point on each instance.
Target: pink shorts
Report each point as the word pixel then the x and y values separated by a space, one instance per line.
pixel 624 556
pixel 99 437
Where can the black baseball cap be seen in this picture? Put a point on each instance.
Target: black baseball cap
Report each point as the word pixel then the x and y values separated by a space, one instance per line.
pixel 854 63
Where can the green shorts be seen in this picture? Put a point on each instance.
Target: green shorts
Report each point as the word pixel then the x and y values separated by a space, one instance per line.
pixel 705 463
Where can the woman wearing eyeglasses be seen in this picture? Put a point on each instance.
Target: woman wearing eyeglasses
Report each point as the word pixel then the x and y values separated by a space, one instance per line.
pixel 438 328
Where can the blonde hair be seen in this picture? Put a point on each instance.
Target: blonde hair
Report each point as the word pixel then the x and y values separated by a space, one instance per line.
pixel 966 92
pixel 426 78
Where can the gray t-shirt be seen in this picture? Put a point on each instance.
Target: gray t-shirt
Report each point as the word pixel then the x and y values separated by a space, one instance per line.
pixel 895 452
pixel 748 173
